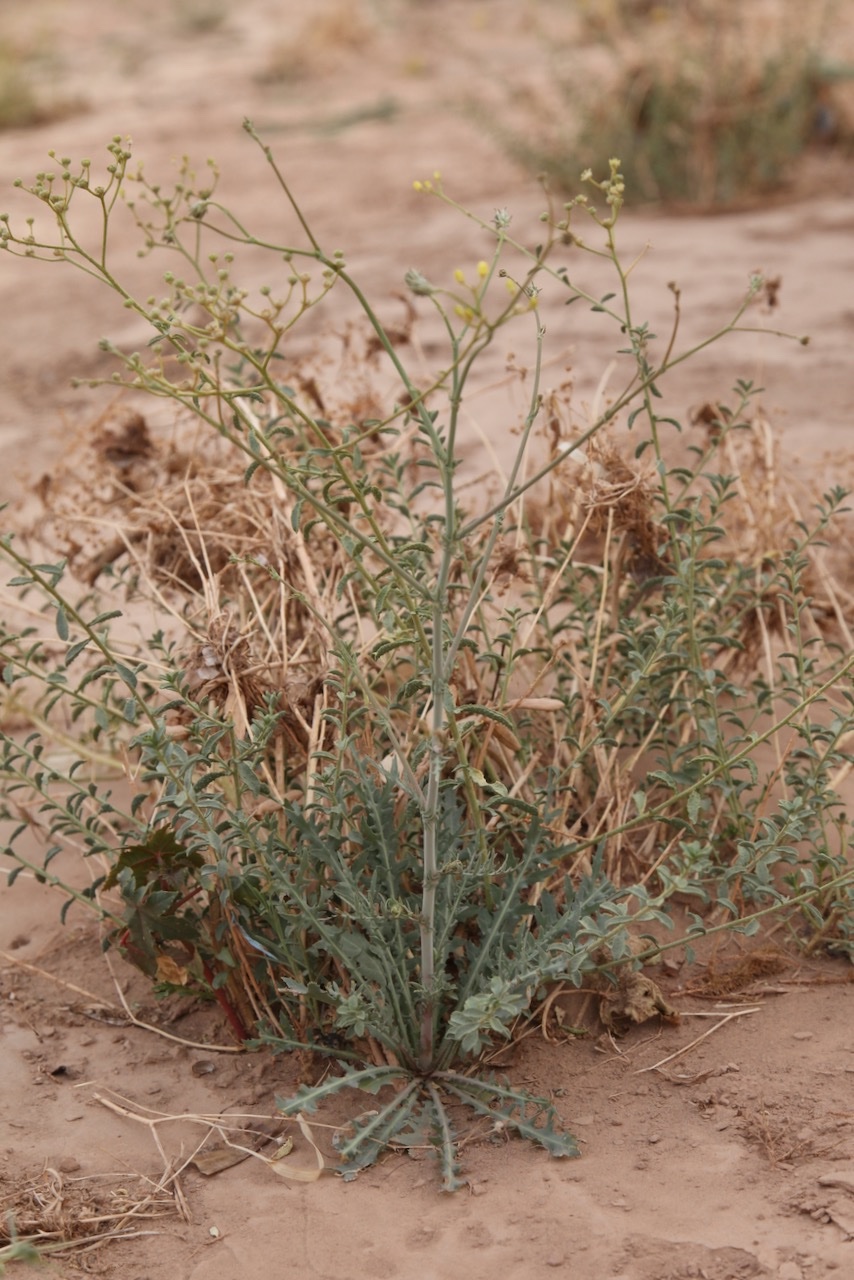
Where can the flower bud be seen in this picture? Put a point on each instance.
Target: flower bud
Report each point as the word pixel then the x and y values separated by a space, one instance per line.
pixel 417 283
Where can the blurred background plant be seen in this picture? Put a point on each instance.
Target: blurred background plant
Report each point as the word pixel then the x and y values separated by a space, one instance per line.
pixel 708 104
pixel 27 94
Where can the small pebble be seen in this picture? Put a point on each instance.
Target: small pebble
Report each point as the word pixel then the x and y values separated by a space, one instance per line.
pixel 802 1035
pixel 68 1164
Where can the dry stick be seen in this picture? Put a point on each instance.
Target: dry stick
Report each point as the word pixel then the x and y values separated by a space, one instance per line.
pixel 170 1174
pixel 260 615
pixel 214 1124
pixel 158 1031
pixel 766 796
pixel 633 760
pixel 83 1245
pixel 661 859
pixel 603 597
pixel 313 747
pixel 671 1057
pixel 558 576
pixel 769 666
pixel 61 982
pixel 256 997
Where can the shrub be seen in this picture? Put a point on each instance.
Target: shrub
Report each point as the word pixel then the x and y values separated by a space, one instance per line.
pixel 400 758
pixel 708 105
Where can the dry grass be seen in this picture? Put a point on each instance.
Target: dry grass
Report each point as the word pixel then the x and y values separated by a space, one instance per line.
pixel 175 519
pixel 57 1212
pixel 332 33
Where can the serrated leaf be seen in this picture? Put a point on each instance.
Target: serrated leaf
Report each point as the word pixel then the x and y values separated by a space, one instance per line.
pixel 308 1097
pixel 446 1144
pixel 538 1128
pixel 373 1132
pixel 159 852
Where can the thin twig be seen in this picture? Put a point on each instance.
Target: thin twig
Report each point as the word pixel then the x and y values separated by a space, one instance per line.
pixel 671 1057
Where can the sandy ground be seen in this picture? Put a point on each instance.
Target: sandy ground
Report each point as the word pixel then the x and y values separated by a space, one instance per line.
pixel 734 1160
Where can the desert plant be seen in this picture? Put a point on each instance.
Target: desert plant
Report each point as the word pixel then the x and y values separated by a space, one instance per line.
pixel 400 761
pixel 708 105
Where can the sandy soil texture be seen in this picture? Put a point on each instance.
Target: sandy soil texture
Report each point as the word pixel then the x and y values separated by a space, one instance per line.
pixel 731 1159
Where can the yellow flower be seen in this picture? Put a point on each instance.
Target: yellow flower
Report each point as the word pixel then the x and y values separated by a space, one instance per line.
pixel 459 277
pixel 483 269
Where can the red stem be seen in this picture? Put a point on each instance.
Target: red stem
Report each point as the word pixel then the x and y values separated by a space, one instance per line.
pixel 234 1019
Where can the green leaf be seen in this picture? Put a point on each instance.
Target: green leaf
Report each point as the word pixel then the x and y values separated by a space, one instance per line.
pixel 61 623
pixel 371 1079
pixel 126 674
pixel 490 713
pixel 75 650
pixel 373 1133
pixel 514 1112
pixel 695 803
pixel 160 852
pixel 249 778
pixel 446 1144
